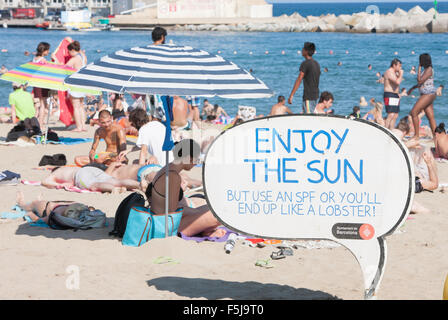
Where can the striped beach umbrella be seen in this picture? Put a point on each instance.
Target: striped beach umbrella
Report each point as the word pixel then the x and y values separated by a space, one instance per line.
pixel 169 70
pixel 46 75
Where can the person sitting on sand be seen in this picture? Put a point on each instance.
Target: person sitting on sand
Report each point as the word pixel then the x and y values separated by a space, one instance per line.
pixel 151 135
pixel 194 221
pixel 375 114
pixel 441 142
pixel 89 178
pixel 279 108
pixel 22 104
pixel 207 109
pixel 426 177
pixel 114 136
pixel 40 209
pixel 325 102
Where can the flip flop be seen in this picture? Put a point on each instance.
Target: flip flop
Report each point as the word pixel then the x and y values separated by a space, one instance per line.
pixel 264 264
pixel 282 253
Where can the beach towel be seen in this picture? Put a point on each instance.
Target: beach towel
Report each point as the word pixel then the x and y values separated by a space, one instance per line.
pixel 15 213
pixel 62 56
pixel 70 189
pixel 66 109
pixel 214 239
pixel 71 141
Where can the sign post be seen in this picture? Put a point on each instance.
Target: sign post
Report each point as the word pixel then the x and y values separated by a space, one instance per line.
pixel 313 177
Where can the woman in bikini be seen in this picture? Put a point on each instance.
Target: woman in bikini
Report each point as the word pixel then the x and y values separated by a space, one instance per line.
pixel 39 209
pixel 78 61
pixel 194 221
pixel 41 94
pixel 425 84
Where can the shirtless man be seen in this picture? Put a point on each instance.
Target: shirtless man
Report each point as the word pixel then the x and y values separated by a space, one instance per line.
pixel 280 108
pixel 392 80
pixel 90 178
pixel 325 103
pixel 182 114
pixel 114 137
pixel 144 174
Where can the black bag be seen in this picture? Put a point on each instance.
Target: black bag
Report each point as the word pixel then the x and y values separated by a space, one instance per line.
pixel 122 214
pixel 52 136
pixel 28 127
pixel 58 159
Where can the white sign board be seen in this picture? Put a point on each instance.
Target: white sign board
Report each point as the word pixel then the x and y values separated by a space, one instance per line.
pixel 313 177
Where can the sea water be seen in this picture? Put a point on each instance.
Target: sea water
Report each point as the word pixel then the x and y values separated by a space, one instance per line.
pixel 272 57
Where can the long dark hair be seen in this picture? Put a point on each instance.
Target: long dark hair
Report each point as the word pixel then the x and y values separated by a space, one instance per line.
pixel 41 48
pixel 425 60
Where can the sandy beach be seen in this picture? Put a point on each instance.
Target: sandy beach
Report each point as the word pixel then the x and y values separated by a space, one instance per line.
pixel 39 263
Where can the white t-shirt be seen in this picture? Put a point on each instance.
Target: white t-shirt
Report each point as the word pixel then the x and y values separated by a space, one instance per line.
pixel 153 135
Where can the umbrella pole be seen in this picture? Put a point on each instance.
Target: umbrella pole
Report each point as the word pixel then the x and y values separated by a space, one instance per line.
pixel 167 193
pixel 50 107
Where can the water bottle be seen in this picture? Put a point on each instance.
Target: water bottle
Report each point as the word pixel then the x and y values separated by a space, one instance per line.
pixel 230 243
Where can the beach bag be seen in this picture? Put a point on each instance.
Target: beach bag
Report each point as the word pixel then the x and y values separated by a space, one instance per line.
pixel 135 199
pixel 77 217
pixel 143 226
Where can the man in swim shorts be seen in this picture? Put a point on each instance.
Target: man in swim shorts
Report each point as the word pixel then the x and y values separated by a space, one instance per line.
pixel 114 136
pixel 392 80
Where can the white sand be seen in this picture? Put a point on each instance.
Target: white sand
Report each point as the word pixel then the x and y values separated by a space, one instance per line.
pixel 38 263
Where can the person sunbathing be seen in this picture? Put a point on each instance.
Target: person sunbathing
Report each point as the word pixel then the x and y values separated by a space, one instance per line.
pixel 426 177
pixel 194 221
pixel 114 136
pixel 89 178
pixel 144 174
pixel 40 209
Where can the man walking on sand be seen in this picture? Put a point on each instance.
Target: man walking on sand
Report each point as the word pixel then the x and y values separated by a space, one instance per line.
pixel 392 80
pixel 309 74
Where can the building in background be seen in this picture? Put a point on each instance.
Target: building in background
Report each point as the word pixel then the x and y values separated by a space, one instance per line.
pixel 157 9
pixel 42 7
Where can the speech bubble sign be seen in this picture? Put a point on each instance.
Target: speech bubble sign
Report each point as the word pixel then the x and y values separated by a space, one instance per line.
pixel 313 177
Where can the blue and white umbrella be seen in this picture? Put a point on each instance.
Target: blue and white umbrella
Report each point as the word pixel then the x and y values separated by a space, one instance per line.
pixel 169 70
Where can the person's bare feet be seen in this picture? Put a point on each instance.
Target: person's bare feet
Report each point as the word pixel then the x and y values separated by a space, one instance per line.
pixel 20 198
pixel 217 233
pixel 118 190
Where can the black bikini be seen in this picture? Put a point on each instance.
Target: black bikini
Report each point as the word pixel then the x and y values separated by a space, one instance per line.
pixel 151 186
